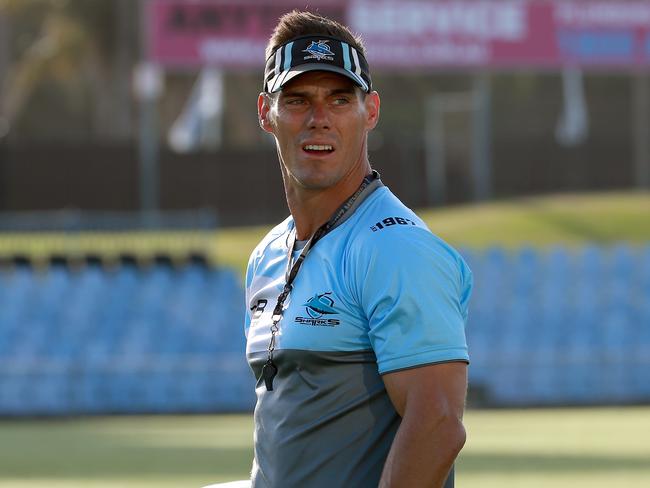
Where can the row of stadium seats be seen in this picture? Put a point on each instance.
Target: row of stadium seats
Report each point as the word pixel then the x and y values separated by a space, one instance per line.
pixel 560 327
pixel 550 327
pixel 108 261
pixel 157 386
pixel 128 339
pixel 75 315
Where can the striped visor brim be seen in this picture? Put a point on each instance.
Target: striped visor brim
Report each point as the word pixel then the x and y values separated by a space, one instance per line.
pixel 310 53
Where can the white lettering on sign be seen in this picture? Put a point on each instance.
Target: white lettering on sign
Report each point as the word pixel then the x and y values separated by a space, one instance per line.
pixel 439 53
pixel 485 20
pixel 230 50
pixel 603 14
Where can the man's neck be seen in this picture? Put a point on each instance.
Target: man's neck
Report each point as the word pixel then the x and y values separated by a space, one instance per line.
pixel 312 208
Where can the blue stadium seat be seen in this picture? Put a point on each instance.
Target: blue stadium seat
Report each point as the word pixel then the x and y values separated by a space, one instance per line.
pixel 587 305
pixel 546 327
pixel 13 397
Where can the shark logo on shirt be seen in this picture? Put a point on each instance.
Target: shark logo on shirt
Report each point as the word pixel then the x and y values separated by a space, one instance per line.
pixel 317 307
pixel 320 305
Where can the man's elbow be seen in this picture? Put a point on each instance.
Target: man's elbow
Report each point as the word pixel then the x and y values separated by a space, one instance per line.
pixel 449 429
pixel 457 435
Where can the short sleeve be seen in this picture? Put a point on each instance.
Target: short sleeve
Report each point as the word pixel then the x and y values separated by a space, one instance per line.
pixel 250 271
pixel 414 290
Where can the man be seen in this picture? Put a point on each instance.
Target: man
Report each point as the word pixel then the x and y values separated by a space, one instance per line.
pixel 355 327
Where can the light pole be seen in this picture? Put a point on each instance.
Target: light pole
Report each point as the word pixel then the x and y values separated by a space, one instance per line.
pixel 148 87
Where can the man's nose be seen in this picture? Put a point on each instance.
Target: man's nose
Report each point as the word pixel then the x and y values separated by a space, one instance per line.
pixel 319 116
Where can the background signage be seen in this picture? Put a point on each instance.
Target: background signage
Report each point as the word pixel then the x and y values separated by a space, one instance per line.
pixel 413 34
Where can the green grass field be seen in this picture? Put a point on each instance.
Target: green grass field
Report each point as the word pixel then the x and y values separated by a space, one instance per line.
pixel 578 448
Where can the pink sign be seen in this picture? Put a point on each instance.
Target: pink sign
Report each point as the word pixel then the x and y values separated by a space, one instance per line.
pixel 445 33
pixel 412 34
pixel 504 33
pixel 226 33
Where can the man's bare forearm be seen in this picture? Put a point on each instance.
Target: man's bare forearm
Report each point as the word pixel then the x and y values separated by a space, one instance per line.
pixel 423 452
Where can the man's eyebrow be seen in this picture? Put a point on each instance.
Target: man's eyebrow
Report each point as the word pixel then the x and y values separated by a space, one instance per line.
pixel 293 93
pixel 343 91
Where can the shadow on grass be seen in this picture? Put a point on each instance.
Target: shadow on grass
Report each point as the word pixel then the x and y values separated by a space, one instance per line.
pixel 545 463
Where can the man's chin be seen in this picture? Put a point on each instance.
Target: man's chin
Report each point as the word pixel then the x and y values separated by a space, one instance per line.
pixel 315 185
pixel 315 181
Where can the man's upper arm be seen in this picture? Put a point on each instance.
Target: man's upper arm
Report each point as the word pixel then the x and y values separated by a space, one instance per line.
pixel 430 400
pixel 431 391
pixel 414 290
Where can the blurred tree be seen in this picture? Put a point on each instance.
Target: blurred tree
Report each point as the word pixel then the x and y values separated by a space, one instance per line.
pixel 72 60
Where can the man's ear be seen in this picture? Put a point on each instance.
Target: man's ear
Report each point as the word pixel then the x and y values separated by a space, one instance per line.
pixel 263 108
pixel 372 103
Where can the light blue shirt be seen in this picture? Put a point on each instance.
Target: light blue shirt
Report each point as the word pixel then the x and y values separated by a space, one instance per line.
pixel 377 294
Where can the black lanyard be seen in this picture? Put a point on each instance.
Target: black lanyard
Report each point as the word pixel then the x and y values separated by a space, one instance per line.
pixel 269 370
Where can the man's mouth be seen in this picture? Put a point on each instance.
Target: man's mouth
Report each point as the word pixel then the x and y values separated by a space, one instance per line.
pixel 318 148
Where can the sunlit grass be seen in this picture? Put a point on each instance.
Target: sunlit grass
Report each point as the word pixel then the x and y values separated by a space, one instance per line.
pixel 581 448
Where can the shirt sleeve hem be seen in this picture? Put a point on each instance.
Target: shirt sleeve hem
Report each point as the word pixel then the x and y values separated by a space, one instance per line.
pixel 423 359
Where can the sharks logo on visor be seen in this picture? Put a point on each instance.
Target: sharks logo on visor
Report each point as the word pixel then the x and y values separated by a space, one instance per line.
pixel 308 53
pixel 319 51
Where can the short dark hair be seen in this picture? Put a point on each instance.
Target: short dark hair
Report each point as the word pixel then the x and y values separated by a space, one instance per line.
pixel 297 23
